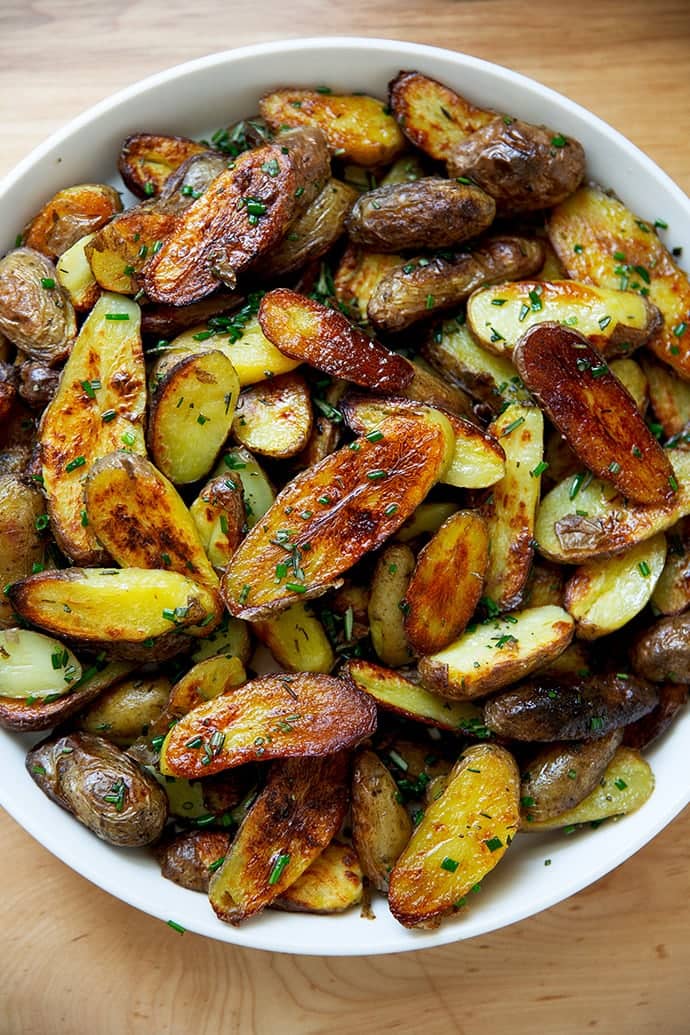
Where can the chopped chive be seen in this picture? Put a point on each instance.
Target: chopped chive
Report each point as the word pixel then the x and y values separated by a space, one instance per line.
pixel 244 594
pixel 175 926
pixel 79 461
pixel 493 844
pixel 117 316
pixel 578 249
pixel 279 865
pixel 620 784
pixel 377 474
pixel 47 282
pixel 398 760
pixel 559 140
pixel 599 370
pixel 84 519
pixel 374 436
pixel 524 310
pixel 614 467
pixel 512 426
pixel 499 301
pixel 539 469
pixel 449 864
pixel 597 723
pixel 390 509
pixel 604 322
pixel 644 569
pixel 680 328
pixel 673 483
pixel 295 587
pixel 128 438
pixel 108 416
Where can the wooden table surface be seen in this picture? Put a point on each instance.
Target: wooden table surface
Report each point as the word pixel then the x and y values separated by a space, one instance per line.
pixel 614 958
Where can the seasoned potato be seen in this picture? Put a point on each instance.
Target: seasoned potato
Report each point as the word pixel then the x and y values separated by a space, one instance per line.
pixel 191 413
pixel 561 775
pixel 38 383
pixel 76 276
pixel 118 252
pixel 294 818
pixel 544 585
pixel 190 858
pixel 35 313
pixel 125 711
pixel 594 412
pixel 381 827
pixel 98 408
pixel 346 506
pixel 393 692
pixel 640 734
pixel 433 117
pixel 669 395
pixel 40 713
pixel 461 837
pixel 21 545
pixel 358 128
pixel 231 638
pixel 389 584
pixel 167 321
pixel 243 213
pixel 672 592
pixel 569 709
pixel 101 787
pixel 617 249
pixel 297 640
pixel 430 212
pixel 331 884
pixel 205 681
pixel 69 216
pixel 308 331
pixel 576 660
pixel 662 652
pixel 257 490
pixel 146 160
pixel 511 509
pixel 218 514
pixel 275 417
pixel 614 322
pixel 604 594
pixel 626 785
pixel 633 379
pixel 424 286
pixel 428 387
pixel 425 520
pixel 35 666
pixel 403 170
pixel 357 275
pixel 447 582
pixel 498 652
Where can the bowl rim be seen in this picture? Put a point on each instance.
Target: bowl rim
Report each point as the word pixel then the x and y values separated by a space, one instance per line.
pixel 253 937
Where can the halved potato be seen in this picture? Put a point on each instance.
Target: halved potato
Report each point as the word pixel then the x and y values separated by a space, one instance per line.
pixel 381 827
pixel 76 277
pixel 386 605
pixel 633 379
pixel 190 858
pixel 257 490
pixel 69 215
pixel 22 516
pixel 166 321
pixel 146 160
pixel 432 116
pixel 35 666
pixel 218 514
pixel 447 582
pixel 672 592
pixel 464 833
pixel 297 640
pixel 614 322
pixel 357 276
pixel 205 681
pixel 498 652
pixel 97 409
pixel 358 128
pixel 544 585
pixel 125 712
pixel 231 638
pixel 669 395
pixel 562 774
pixel 119 251
pixel 332 884
pixel 605 594
pixel 661 652
pixel 36 315
pixel 274 418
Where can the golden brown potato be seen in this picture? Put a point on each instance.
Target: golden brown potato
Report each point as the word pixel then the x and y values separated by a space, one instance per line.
pixel 257 490
pixel 332 884
pixel 189 181
pixel 544 585
pixel 631 376
pixel 218 513
pixel 424 286
pixel 640 734
pixel 345 506
pixel 76 276
pixel 306 330
pixel 101 787
pixel 35 313
pixel 561 775
pixel 594 412
pixel 98 408
pixel 432 212
pixel 26 715
pixel 669 395
pixel 118 252
pixel 204 681
pixel 274 418
pixel 672 592
pixel 447 582
pixel 189 859
pixel 432 116
pixel 146 160
pixel 601 242
pixel 662 652
pixel 296 639
pixel 231 638
pixel 424 521
pixel 357 275
pixel 125 711
pixel 386 605
pixel 295 817
pixel 22 516
pixel 381 827
pixel 69 215
pixel 358 128
pixel 461 837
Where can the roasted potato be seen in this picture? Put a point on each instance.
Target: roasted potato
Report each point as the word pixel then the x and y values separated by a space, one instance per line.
pixel 125 711
pixel 189 859
pixel 357 276
pixel 38 383
pixel 669 395
pixel 640 734
pixel 101 787
pixel 296 639
pixel 425 520
pixel 432 116
pixel 386 606
pixel 428 387
pixel 146 160
pixel 662 652
pixel 381 827
pixel 561 775
pixel 76 276
pixel 275 417
pixel 634 380
pixel 331 884
pixel 35 312
pixel 230 638
pixel 22 517
pixel 69 216
pixel 219 517
pixel 119 251
pixel 167 321
pixel 671 593
pixel 35 666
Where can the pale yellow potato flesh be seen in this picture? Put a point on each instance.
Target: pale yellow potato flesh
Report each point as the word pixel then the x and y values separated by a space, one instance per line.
pixel 296 639
pixel 35 665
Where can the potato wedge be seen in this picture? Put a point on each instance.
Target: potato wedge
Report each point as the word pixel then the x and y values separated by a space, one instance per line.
pixel 358 128
pixel 614 322
pixel 669 396
pixel 168 321
pixel 640 734
pixel 308 331
pixel 432 116
pixel 243 213
pixel 356 278
pixel 447 582
pixel 76 276
pixel 124 712
pixel 293 820
pixel 69 215
pixel 393 692
pixel 462 836
pixel 98 408
pixel 231 638
pixel 204 681
pixel 561 775
pixel 332 884
pixel 381 827
pixel 189 859
pixel 425 286
pixel 593 411
pixel 672 592
pixel 496 653
pixel 605 594
pixel 118 252
pixel 511 509
pixel 146 160
pixel 274 418
pixel 297 640
pixel 35 666
pixel 191 413
pixel 569 709
pixel 619 250
pixel 219 518
pixel 36 314
pixel 344 507
pixel 626 785
pixel 583 518
pixel 662 652
pixel 22 516
pixel 257 490
pixel 387 603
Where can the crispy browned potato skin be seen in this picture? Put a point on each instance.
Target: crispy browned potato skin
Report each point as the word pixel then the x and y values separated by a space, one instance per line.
pixel 146 160
pixel 417 290
pixel 304 329
pixel 593 410
pixel 70 214
pixel 218 236
pixel 186 858
pixel 331 884
pixel 278 716
pixel 427 386
pixel 38 383
pixel 17 714
pixel 429 213
pixel 39 320
pixel 662 652
pixel 298 813
pixel 274 418
pixel 167 321
pixel 118 252
pixel 569 709
pixel 221 498
pixel 79 771
pixel 519 165
pixel 640 734
pixel 381 826
pixel 561 775
pixel 433 117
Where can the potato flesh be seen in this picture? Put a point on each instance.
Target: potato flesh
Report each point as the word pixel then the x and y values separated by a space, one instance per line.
pixel 297 640
pixel 230 638
pixel 119 251
pixel 381 827
pixel 389 585
pixel 21 545
pixel 34 665
pixel 358 274
pixel 426 519
pixel 219 518
pixel 76 277
pixel 146 160
pixel 275 418
pixel 672 592
pixel 457 844
pixel 332 884
pixel 633 379
pixel 432 116
pixel 26 716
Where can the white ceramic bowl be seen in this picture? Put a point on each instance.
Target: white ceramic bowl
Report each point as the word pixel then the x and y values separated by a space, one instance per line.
pixel 194 99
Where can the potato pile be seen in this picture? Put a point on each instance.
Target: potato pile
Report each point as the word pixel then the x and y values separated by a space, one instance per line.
pixel 323 466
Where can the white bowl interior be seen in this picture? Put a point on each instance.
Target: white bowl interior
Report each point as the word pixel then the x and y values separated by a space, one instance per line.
pixel 195 99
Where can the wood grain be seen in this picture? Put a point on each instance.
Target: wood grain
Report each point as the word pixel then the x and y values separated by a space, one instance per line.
pixel 615 957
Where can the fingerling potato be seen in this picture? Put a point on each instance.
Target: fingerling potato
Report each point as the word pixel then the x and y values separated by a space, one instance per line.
pixel 76 276
pixel 190 858
pixel 146 160
pixel 275 417
pixel 69 215
pixel 432 116
pixel 124 712
pixel 640 734
pixel 386 606
pixel 36 314
pixel 662 652
pixel 332 884
pixel 296 639
pixel 219 517
pixel 561 775
pixel 381 827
